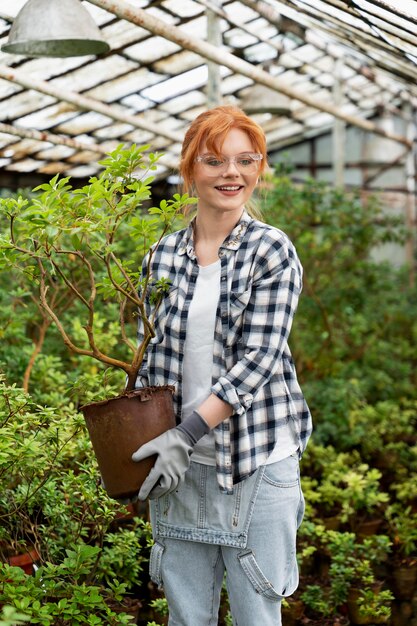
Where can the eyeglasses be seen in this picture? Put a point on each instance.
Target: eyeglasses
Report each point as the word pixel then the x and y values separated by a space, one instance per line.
pixel 247 163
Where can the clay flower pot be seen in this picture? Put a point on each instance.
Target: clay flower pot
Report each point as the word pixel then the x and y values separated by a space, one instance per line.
pixel 119 426
pixel 24 560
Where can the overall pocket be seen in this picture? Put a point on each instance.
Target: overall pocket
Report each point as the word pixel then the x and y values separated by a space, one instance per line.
pixel 155 563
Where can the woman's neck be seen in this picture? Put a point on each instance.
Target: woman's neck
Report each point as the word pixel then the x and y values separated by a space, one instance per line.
pixel 209 233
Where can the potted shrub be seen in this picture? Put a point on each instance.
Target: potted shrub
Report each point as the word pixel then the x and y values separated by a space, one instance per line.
pixel 402 524
pixel 350 578
pixel 371 605
pixel 345 491
pixel 74 241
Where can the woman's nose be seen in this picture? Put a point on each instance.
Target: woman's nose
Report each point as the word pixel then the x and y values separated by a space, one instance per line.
pixel 231 169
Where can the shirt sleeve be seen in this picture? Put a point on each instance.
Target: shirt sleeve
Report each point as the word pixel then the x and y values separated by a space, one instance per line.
pixel 267 323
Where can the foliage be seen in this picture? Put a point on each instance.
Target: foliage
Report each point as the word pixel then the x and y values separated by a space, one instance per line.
pixel 351 564
pixel 10 617
pixel 375 604
pixel 356 327
pixel 160 605
pixel 70 243
pixel 51 498
pixel 403 526
pixel 354 342
pixel 64 594
pixel 340 483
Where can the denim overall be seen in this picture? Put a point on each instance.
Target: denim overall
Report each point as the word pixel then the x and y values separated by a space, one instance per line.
pixel 201 534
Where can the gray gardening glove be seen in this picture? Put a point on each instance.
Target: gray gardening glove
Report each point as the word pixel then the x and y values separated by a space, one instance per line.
pixel 173 448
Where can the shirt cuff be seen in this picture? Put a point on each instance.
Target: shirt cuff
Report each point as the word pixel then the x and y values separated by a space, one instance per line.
pixel 224 390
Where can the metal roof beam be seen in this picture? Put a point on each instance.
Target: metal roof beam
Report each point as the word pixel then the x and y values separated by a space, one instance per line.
pixel 59 140
pixel 84 102
pixel 246 28
pixel 145 20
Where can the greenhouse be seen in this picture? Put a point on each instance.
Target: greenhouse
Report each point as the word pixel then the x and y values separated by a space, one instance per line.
pixel 96 98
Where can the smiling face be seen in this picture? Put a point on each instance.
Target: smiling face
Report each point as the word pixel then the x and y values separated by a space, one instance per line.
pixel 229 190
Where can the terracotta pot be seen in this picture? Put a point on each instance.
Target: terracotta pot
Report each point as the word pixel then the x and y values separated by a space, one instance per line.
pixel 366 528
pixel 25 560
pixel 292 612
pixel 119 426
pixel 405 579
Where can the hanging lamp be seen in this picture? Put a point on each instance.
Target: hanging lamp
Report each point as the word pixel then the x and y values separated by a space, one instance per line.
pixel 54 28
pixel 261 99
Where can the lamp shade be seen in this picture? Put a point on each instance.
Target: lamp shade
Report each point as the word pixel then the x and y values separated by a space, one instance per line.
pixel 54 28
pixel 261 99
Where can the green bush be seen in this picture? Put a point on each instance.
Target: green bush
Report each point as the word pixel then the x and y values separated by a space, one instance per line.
pixel 355 335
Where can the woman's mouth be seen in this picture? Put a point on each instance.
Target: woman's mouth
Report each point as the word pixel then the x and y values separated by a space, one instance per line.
pixel 229 189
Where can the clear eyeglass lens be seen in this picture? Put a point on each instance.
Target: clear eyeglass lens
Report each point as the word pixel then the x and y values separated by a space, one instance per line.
pixel 246 163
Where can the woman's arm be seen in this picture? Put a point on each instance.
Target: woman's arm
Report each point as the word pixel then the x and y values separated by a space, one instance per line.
pixel 214 410
pixel 267 323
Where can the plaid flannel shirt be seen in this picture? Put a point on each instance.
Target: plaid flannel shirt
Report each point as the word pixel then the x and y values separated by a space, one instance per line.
pixel 253 371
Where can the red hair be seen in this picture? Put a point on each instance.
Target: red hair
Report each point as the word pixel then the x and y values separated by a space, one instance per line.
pixel 211 128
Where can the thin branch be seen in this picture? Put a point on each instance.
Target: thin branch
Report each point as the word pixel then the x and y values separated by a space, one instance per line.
pixel 132 374
pixel 125 338
pixel 126 276
pixel 71 285
pixel 46 322
pixel 94 352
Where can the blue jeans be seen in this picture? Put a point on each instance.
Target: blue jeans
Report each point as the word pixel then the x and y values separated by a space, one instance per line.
pixel 261 567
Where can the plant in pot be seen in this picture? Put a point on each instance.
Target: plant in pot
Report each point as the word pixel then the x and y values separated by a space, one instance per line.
pixel 76 239
pixel 345 491
pixel 350 578
pixel 402 525
pixel 353 563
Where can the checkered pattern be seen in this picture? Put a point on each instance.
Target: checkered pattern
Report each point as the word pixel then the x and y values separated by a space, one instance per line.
pixel 261 280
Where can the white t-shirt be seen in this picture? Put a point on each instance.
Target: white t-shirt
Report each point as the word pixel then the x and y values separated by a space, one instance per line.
pixel 198 364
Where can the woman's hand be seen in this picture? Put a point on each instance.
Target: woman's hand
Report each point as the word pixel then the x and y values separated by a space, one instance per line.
pixel 173 448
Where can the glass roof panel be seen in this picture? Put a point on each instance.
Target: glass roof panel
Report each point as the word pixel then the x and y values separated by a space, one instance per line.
pixel 165 84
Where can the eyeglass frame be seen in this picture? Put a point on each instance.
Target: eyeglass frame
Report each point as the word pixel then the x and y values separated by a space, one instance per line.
pixel 256 156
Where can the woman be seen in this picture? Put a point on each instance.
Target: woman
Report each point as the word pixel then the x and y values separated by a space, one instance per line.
pixel 225 493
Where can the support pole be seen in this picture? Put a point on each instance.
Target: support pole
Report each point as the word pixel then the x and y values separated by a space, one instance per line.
pixel 411 214
pixel 145 20
pixel 246 28
pixel 214 37
pixel 339 134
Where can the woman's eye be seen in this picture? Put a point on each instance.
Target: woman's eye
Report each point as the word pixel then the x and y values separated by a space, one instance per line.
pixel 214 162
pixel 245 162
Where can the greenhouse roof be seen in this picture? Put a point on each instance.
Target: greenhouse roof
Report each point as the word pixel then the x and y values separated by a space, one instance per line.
pixel 294 65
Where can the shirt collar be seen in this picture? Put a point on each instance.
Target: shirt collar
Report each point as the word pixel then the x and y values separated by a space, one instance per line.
pixel 232 241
